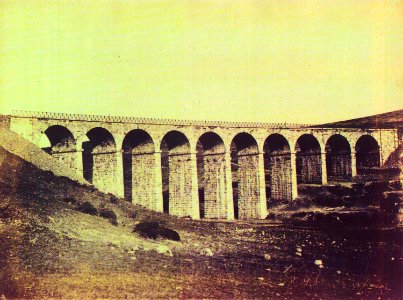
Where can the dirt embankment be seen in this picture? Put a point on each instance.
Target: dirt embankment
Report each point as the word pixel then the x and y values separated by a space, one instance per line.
pixel 60 238
pixel 369 204
pixel 17 145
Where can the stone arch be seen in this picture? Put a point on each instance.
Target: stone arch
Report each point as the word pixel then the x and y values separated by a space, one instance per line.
pixel 176 174
pixel 99 159
pixel 211 176
pixel 245 179
pixel 60 139
pixel 338 158
pixel 62 145
pixel 308 160
pixel 139 168
pixel 277 164
pixel 367 154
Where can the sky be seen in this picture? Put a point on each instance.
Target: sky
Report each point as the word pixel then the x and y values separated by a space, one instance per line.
pixel 267 61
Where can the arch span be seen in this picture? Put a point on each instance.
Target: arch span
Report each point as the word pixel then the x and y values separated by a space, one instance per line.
pixel 211 176
pixel 176 174
pixel 62 145
pixel 139 168
pixel 367 154
pixel 338 158
pixel 277 158
pixel 245 179
pixel 308 160
pixel 60 139
pixel 99 159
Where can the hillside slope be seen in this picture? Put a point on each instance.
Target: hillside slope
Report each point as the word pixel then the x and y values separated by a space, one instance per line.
pixel 53 248
pixel 392 119
pixel 14 143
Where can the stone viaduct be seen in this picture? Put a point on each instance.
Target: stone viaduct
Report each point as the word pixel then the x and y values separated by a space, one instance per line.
pixel 203 169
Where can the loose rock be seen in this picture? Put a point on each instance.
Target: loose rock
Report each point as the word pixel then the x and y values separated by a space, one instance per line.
pixel 162 249
pixel 319 263
pixel 206 252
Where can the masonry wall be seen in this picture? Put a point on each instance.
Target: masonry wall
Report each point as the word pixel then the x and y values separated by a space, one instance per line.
pixel 388 141
pixel 280 176
pixel 104 172
pixel 338 166
pixel 214 186
pixel 143 180
pixel 366 160
pixel 69 159
pixel 309 168
pixel 248 187
pixel 180 185
pixel 177 173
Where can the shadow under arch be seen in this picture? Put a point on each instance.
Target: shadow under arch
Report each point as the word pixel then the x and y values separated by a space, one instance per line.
pixel 176 174
pixel 211 176
pixel 367 154
pixel 62 145
pixel 308 160
pixel 245 179
pixel 139 168
pixel 100 160
pixel 338 158
pixel 277 163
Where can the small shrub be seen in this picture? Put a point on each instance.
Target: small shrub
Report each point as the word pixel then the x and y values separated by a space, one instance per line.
pixel 271 216
pixel 110 215
pixel 70 200
pixel 88 208
pixel 339 191
pixel 132 214
pixel 113 199
pixel 4 208
pixel 390 202
pixel 376 187
pixel 169 234
pixel 147 229
pixel 154 229
pixel 92 188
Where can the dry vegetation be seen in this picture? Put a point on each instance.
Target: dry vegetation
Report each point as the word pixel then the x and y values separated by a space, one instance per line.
pixel 54 245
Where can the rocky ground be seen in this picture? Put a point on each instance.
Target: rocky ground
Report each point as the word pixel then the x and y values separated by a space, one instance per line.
pixel 62 239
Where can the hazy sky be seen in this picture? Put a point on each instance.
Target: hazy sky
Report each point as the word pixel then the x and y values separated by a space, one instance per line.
pixel 270 61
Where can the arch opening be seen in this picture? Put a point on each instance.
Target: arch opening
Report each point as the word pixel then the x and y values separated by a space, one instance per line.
pixel 277 164
pixel 99 159
pixel 211 176
pixel 60 138
pixel 338 158
pixel 308 160
pixel 176 174
pixel 367 154
pixel 139 168
pixel 61 145
pixel 245 178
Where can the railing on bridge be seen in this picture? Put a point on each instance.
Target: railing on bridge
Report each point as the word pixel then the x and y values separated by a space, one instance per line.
pixel 123 119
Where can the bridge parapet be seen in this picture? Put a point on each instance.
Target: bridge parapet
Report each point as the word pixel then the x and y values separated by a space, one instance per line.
pixel 156 121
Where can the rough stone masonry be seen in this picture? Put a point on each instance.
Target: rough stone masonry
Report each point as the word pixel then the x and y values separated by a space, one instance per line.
pixel 203 169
